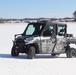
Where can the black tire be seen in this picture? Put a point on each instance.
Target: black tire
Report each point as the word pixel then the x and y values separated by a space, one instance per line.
pixel 31 52
pixel 55 55
pixel 71 53
pixel 14 52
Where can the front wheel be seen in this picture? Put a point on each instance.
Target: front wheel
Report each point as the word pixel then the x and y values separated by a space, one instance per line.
pixel 31 52
pixel 71 53
pixel 14 51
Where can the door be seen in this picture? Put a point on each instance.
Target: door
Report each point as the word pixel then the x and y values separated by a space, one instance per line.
pixel 48 39
pixel 61 41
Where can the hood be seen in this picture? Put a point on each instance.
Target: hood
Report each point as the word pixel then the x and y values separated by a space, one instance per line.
pixel 26 37
pixel 22 37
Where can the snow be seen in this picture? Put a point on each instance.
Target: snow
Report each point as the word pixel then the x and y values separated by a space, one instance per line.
pixel 41 65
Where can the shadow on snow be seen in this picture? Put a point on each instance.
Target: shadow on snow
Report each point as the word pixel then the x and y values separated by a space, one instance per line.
pixel 24 56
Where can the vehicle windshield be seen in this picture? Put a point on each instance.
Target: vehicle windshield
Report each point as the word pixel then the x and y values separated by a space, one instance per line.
pixel 33 29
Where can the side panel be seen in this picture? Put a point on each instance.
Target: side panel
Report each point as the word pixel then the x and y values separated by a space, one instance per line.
pixel 61 41
pixel 47 44
pixel 60 44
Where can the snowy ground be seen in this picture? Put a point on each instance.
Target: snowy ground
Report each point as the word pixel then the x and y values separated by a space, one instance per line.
pixel 41 65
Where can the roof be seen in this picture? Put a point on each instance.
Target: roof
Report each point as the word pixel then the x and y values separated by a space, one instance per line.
pixel 50 22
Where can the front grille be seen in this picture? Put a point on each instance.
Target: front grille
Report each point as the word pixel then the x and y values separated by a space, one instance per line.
pixel 20 42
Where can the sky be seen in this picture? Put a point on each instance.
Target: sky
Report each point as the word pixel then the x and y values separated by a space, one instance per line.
pixel 37 8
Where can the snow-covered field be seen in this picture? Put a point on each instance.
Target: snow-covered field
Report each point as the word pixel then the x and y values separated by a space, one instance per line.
pixel 41 65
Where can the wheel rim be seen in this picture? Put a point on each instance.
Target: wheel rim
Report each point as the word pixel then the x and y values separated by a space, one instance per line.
pixel 73 53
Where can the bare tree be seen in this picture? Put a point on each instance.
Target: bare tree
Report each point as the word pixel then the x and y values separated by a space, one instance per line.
pixel 74 15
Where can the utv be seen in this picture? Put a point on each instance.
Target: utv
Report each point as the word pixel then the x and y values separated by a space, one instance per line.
pixel 44 38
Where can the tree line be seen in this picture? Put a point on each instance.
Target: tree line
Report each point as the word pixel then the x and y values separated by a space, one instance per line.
pixel 4 20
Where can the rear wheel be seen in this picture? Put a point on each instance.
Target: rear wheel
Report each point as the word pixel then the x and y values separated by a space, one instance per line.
pixel 71 53
pixel 55 55
pixel 14 51
pixel 31 52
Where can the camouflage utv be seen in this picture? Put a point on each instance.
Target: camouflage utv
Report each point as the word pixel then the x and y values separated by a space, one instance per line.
pixel 44 38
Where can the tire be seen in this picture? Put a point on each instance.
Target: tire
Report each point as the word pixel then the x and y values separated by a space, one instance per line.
pixel 55 55
pixel 31 52
pixel 71 53
pixel 14 52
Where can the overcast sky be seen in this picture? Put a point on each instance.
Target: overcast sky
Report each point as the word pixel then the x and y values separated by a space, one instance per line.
pixel 36 8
